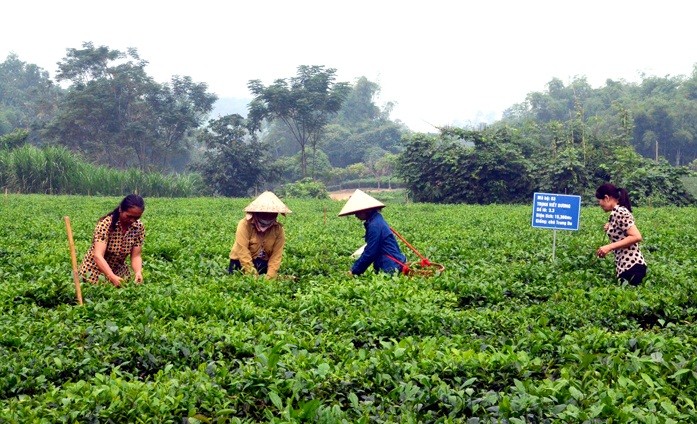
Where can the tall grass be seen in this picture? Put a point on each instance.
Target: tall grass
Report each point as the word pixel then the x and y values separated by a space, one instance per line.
pixel 56 170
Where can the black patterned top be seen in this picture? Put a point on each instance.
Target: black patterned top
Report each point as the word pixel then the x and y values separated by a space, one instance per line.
pixel 620 221
pixel 118 246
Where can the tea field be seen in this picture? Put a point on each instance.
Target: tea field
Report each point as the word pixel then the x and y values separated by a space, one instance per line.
pixel 505 334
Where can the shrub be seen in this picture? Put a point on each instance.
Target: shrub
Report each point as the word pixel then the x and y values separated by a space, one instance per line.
pixel 306 188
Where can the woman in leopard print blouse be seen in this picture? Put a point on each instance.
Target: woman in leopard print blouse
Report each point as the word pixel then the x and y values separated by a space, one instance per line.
pixel 117 235
pixel 623 233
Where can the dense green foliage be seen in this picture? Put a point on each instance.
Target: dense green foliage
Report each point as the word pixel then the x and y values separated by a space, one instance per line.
pixel 56 170
pixel 233 162
pixel 657 116
pixel 566 138
pixel 117 115
pixel 305 103
pixel 28 97
pixel 305 189
pixel 359 134
pixel 502 165
pixel 361 129
pixel 113 113
pixel 12 140
pixel 505 334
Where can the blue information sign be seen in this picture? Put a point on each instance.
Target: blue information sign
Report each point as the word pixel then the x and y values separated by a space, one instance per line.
pixel 556 211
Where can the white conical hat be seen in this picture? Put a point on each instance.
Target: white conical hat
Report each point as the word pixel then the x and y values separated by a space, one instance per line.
pixel 360 201
pixel 267 202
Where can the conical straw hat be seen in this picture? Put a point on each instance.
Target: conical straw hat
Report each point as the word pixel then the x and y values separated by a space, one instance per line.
pixel 267 202
pixel 360 201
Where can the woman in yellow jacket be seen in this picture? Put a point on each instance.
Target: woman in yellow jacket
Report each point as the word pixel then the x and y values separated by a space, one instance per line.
pixel 259 239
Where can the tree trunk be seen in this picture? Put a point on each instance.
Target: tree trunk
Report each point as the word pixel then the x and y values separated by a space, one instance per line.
pixel 303 161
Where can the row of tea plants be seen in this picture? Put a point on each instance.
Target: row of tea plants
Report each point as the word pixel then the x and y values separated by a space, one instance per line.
pixel 505 334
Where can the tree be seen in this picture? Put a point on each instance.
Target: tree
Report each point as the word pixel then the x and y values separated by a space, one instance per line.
pixel 305 104
pixel 427 166
pixel 498 171
pixel 27 96
pixel 180 107
pixel 379 163
pixel 114 111
pixel 341 147
pixel 649 181
pixel 280 139
pixel 667 128
pixel 566 172
pixel 359 106
pixel 466 166
pixel 365 127
pixel 234 162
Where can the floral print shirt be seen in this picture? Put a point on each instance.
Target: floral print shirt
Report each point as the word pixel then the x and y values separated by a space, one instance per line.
pixel 118 246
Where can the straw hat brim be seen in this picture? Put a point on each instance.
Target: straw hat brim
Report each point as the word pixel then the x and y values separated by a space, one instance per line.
pixel 267 202
pixel 360 201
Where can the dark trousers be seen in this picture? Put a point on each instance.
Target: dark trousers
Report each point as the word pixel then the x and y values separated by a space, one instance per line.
pixel 634 275
pixel 260 265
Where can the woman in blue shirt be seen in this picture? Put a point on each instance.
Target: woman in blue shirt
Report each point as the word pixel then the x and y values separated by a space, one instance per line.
pixel 381 249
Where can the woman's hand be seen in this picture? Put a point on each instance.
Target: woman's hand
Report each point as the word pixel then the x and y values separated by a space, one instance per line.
pixel 606 226
pixel 139 277
pixel 115 280
pixel 603 251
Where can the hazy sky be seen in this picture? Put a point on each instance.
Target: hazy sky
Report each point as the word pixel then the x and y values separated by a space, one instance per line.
pixel 441 62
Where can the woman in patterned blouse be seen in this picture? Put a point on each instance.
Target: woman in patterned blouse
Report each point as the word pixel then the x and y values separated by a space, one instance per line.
pixel 623 233
pixel 117 235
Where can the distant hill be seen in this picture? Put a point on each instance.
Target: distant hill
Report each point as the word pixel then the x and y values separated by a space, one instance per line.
pixel 229 105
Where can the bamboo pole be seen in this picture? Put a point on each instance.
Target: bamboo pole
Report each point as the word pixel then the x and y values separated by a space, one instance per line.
pixel 325 215
pixel 73 258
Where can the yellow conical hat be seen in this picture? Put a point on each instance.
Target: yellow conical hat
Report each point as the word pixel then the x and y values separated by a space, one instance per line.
pixel 267 202
pixel 360 201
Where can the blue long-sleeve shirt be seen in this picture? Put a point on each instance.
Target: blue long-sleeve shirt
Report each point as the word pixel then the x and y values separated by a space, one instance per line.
pixel 380 242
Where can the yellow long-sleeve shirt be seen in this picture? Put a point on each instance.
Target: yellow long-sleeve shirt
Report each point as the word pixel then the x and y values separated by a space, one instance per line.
pixel 249 243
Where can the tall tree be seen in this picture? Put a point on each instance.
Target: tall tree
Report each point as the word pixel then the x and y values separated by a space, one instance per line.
pixel 234 163
pixel 362 126
pixel 305 103
pixel 359 106
pixel 181 106
pixel 116 114
pixel 28 97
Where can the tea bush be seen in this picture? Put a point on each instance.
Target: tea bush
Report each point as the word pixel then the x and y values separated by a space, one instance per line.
pixel 505 334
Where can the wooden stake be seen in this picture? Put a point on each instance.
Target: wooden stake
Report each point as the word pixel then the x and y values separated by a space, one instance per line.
pixel 325 215
pixel 73 258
